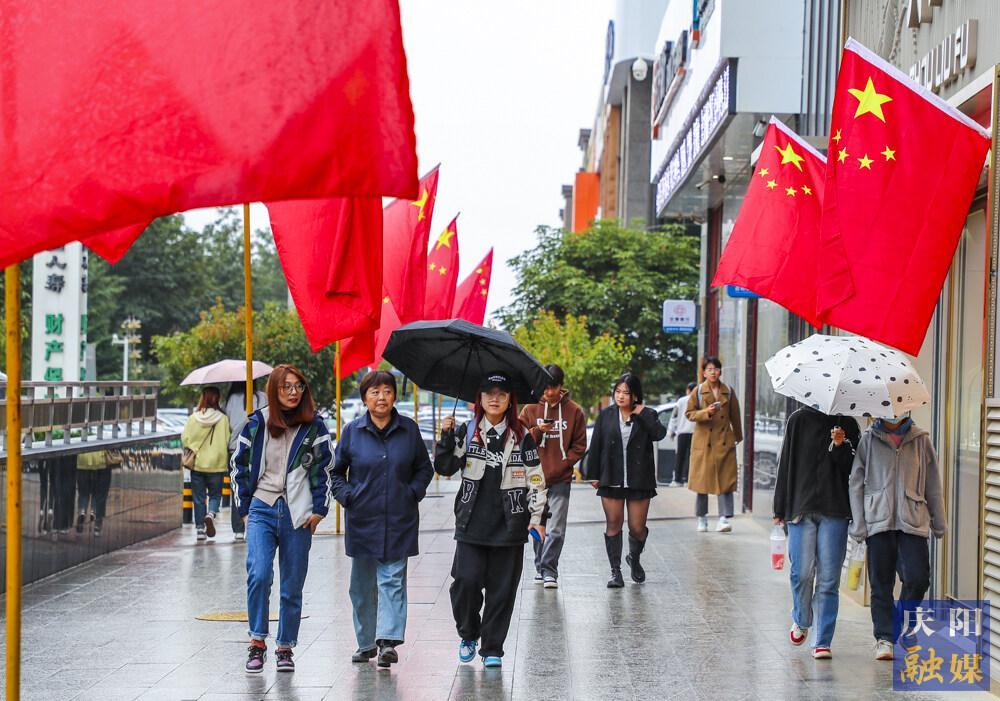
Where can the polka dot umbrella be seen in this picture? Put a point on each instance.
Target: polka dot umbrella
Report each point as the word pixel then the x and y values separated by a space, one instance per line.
pixel 847 375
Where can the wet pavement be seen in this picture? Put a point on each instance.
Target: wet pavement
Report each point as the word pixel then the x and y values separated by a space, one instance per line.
pixel 710 622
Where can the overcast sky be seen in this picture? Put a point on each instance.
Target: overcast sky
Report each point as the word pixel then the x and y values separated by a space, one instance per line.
pixel 500 91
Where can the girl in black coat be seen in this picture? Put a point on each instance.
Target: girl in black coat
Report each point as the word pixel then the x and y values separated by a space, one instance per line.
pixel 620 466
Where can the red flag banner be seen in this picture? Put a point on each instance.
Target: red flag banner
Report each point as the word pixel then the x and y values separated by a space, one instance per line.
pixel 772 249
pixel 365 349
pixel 331 253
pixel 473 293
pixel 407 226
pixel 442 274
pixel 903 169
pixel 119 111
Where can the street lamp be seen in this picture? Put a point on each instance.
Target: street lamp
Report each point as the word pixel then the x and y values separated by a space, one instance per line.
pixel 130 326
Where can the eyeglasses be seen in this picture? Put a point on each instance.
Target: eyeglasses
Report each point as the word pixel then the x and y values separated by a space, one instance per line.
pixel 297 388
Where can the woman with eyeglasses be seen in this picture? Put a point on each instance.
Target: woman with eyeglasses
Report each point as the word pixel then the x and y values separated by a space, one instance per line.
pixel 620 467
pixel 280 475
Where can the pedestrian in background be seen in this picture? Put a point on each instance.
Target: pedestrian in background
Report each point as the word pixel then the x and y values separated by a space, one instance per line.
pixel 206 433
pixel 621 468
pixel 281 481
pixel 715 412
pixel 680 429
pixel 501 498
pixel 557 424
pixel 811 499
pixel 93 483
pixel 236 412
pixel 896 504
pixel 381 474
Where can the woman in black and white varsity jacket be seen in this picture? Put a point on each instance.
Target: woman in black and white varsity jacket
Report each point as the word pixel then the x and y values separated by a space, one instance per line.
pixel 501 499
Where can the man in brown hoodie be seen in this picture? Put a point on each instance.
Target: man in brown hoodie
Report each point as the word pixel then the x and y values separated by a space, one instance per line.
pixel 559 427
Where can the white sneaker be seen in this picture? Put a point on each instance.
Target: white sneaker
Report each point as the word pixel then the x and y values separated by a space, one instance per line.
pixel 883 650
pixel 702 524
pixel 723 526
pixel 201 534
pixel 675 483
pixel 539 578
pixel 551 582
pixel 797 636
pixel 239 537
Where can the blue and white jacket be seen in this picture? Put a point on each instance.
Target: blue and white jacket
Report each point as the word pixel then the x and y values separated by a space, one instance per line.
pixel 307 484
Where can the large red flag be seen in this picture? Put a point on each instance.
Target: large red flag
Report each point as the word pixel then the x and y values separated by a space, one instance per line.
pixel 407 227
pixel 331 252
pixel 903 169
pixel 116 112
pixel 772 250
pixel 442 274
pixel 365 349
pixel 473 293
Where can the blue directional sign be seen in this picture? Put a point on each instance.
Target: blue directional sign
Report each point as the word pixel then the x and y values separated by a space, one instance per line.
pixel 737 292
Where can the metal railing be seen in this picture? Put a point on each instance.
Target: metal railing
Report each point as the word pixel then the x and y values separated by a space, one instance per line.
pixel 79 412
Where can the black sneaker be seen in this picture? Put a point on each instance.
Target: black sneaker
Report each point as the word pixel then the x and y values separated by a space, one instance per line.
pixel 255 660
pixel 284 660
pixel 363 655
pixel 387 655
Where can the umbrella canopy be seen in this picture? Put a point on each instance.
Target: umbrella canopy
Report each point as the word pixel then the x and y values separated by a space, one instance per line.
pixel 453 356
pixel 226 371
pixel 847 375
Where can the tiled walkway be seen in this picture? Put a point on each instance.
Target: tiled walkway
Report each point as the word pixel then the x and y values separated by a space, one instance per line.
pixel 710 623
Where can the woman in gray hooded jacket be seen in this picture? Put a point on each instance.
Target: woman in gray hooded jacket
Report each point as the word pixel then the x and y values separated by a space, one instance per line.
pixel 896 504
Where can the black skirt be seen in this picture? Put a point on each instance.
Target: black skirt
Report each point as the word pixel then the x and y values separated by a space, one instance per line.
pixel 626 493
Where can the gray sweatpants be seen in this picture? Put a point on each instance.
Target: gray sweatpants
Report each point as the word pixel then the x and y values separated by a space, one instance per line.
pixel 548 551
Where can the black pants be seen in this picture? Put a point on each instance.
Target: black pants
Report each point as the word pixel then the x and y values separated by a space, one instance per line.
pixel 891 553
pixel 683 457
pixel 498 571
pixel 63 476
pixel 93 485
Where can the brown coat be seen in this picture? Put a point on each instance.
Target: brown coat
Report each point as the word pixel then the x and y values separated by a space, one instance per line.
pixel 713 445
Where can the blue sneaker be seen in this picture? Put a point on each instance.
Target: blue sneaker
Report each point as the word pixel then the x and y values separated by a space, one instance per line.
pixel 492 662
pixel 467 650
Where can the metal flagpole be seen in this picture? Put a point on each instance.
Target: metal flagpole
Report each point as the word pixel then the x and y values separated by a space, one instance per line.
pixel 13 305
pixel 248 302
pixel 336 374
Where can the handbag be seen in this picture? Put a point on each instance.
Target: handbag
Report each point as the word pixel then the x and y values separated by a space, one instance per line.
pixel 189 456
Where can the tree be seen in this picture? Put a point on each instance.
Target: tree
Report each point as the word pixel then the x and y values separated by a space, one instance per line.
pixel 617 278
pixel 25 273
pixel 278 338
pixel 590 362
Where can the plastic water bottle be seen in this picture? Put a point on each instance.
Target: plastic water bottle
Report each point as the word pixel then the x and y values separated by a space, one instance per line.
pixel 778 544
pixel 855 565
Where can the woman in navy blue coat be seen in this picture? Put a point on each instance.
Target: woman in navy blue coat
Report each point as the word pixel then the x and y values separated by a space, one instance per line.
pixel 382 471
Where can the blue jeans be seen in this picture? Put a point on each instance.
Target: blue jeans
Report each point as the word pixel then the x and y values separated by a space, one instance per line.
pixel 817 546
pixel 269 528
pixel 200 483
pixel 378 597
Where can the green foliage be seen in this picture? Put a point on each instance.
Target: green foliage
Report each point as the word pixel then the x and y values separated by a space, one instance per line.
pixel 278 338
pixel 590 362
pixel 25 274
pixel 617 278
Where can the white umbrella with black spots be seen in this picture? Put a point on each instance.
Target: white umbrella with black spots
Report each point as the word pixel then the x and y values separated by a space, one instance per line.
pixel 847 375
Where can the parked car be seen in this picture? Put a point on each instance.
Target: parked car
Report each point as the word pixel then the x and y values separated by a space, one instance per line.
pixel 666 448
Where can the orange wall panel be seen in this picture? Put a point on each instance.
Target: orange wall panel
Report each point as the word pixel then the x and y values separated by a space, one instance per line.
pixel 586 194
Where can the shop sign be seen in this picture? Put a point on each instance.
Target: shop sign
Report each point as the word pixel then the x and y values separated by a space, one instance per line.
pixel 59 314
pixel 701 12
pixel 668 75
pixel 609 49
pixel 700 127
pixel 737 292
pixel 949 59
pixel 680 316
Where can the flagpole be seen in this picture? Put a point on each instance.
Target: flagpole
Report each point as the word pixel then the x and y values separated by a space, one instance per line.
pixel 336 374
pixel 248 302
pixel 13 582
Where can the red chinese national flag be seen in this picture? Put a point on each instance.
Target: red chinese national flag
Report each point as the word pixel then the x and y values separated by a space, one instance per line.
pixel 407 226
pixel 442 274
pixel 119 111
pixel 903 169
pixel 772 250
pixel 331 253
pixel 365 349
pixel 473 293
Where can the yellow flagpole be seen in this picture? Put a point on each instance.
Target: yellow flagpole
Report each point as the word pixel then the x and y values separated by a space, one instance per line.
pixel 13 305
pixel 248 302
pixel 336 374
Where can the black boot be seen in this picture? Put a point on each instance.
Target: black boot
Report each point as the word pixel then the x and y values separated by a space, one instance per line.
pixel 635 547
pixel 613 544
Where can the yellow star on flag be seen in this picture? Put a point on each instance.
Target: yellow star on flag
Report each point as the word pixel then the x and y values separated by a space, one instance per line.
pixel 443 270
pixel 790 191
pixel 771 184
pixel 889 154
pixel 836 137
pixel 842 156
pixel 444 239
pixel 788 155
pixel 385 300
pixel 483 292
pixel 806 190
pixel 865 162
pixel 479 271
pixel 482 281
pixel 762 172
pixel 870 101
pixel 422 202
pixel 432 266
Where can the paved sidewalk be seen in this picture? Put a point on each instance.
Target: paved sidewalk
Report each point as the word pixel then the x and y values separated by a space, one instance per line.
pixel 710 623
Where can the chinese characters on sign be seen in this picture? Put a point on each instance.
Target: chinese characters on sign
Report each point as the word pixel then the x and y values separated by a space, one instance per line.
pixel 680 316
pixel 59 315
pixel 941 645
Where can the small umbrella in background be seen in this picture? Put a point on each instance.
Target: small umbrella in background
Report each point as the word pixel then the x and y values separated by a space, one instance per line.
pixel 226 371
pixel 452 357
pixel 847 375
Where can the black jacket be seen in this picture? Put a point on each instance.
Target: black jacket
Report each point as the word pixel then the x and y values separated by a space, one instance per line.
pixel 812 478
pixel 604 461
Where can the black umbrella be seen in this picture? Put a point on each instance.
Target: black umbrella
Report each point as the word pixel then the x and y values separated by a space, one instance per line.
pixel 453 356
